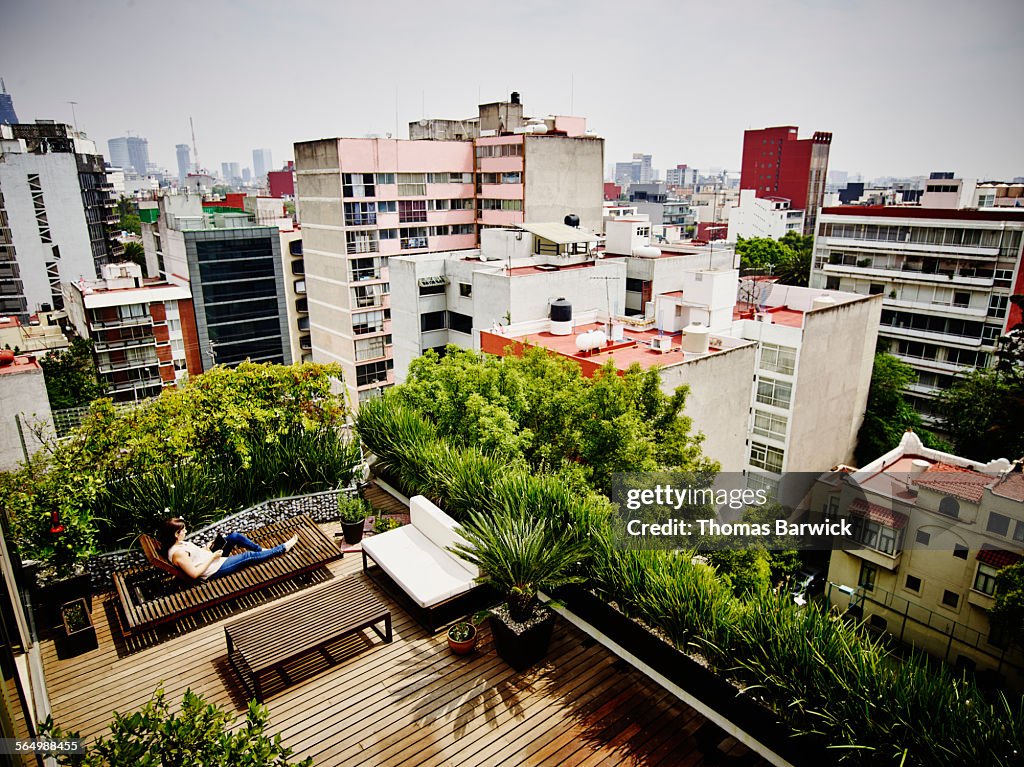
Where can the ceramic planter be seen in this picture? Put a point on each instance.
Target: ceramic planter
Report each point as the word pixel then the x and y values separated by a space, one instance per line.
pixel 466 646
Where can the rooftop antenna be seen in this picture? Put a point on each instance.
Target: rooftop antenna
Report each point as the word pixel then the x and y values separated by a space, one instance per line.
pixel 195 150
pixel 74 117
pixel 3 88
pixel 572 93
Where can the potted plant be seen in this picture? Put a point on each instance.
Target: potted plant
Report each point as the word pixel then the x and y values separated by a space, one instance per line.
pixel 518 555
pixel 79 632
pixel 462 636
pixel 353 511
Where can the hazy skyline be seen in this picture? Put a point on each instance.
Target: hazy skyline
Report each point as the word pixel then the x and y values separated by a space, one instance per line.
pixel 906 88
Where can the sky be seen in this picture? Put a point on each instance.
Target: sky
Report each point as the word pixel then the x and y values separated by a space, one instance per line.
pixel 905 87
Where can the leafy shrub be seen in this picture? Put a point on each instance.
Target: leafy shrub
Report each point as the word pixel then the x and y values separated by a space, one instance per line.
pixel 200 734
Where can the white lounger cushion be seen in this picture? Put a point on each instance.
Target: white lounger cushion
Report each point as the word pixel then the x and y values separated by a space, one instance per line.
pixel 416 555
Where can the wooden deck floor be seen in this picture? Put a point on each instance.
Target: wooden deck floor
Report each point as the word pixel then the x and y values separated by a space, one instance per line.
pixel 408 703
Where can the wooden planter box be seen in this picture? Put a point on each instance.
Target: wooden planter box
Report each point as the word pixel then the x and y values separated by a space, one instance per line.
pixel 702 683
pixel 80 636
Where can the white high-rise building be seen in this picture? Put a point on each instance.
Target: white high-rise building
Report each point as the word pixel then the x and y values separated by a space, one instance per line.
pixel 261 163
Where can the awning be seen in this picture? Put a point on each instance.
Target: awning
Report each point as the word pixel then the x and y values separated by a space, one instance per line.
pixel 879 514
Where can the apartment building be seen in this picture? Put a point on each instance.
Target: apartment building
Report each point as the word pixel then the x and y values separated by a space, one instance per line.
pixel 763 217
pixel 140 329
pixel 778 164
pixel 930 533
pixel 767 388
pixel 945 277
pixel 233 268
pixel 56 212
pixel 364 201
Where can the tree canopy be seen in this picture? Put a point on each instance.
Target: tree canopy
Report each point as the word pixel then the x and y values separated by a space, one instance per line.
pixel 70 376
pixel 789 257
pixel 540 409
pixel 983 412
pixel 888 414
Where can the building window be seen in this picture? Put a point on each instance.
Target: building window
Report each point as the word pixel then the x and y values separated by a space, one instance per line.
pixel 364 269
pixel 499 150
pixel 960 551
pixel 371 348
pixel 463 229
pixel 868 574
pixel 874 535
pixel 985 579
pixel 433 290
pixel 923 538
pixel 385 178
pixel 373 372
pixel 387 234
pixel 773 392
pixel 950 599
pixel 484 203
pixel 874 289
pixel 433 321
pixel 412 211
pixel 778 359
pixel 357 185
pixel 413 237
pixel 362 241
pixel 998 524
pixel 913 583
pixel 465 289
pixel 412 184
pixel 360 214
pixel 366 296
pixel 461 323
pixel 368 322
pixel 766 457
pixel 770 425
pixel 387 206
pixel 949 507
pixel 1018 532
pixel 997 306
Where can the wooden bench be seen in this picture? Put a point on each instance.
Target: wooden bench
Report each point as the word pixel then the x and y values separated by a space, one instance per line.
pixel 265 641
pixel 150 597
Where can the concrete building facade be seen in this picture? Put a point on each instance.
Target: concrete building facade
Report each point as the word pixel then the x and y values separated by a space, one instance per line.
pixel 778 164
pixel 763 217
pixel 24 410
pixel 55 215
pixel 930 533
pixel 364 201
pixel 945 277
pixel 136 326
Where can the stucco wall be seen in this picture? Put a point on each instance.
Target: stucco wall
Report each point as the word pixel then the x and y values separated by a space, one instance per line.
pixel 22 397
pixel 718 402
pixel 562 176
pixel 832 384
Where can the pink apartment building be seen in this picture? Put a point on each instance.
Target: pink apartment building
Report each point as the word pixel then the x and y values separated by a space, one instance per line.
pixel 363 200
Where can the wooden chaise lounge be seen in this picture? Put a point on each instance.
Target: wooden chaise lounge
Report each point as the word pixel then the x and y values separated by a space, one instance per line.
pixel 159 594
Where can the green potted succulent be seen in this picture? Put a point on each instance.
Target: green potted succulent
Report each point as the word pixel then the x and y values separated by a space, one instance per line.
pixel 353 511
pixel 79 631
pixel 462 636
pixel 518 555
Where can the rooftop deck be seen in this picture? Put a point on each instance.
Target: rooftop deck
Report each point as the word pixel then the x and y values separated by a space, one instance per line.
pixel 408 703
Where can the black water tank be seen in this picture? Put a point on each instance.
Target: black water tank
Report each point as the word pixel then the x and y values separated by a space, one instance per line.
pixel 572 220
pixel 45 308
pixel 561 310
pixel 515 97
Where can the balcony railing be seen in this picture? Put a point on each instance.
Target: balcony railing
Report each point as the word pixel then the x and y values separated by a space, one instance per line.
pixel 108 366
pixel 122 322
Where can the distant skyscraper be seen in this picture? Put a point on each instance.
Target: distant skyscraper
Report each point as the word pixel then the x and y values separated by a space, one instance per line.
pixel 184 162
pixel 261 163
pixel 130 153
pixel 638 171
pixel 7 114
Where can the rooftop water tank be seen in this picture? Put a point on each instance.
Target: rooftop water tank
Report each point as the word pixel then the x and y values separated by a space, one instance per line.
pixel 572 220
pixel 823 302
pixel 592 339
pixel 646 251
pixel 561 317
pixel 695 339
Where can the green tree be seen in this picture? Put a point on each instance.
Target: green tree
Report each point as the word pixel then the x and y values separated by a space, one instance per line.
pixel 763 253
pixel 983 412
pixel 70 375
pixel 1008 611
pixel 888 414
pixel 134 252
pixel 200 733
pixel 797 269
pixel 541 410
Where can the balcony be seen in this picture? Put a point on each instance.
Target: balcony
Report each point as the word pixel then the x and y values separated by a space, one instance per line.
pixel 881 246
pixel 950 278
pixel 123 343
pixel 407 702
pixel 896 331
pixel 890 562
pixel 122 322
pixel 108 366
pixel 980 599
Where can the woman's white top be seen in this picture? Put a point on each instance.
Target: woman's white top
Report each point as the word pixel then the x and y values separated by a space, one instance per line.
pixel 199 557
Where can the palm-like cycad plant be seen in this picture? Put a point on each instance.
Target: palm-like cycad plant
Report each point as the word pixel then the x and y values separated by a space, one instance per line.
pixel 519 554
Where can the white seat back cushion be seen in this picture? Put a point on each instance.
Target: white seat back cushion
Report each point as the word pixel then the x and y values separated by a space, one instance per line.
pixel 438 528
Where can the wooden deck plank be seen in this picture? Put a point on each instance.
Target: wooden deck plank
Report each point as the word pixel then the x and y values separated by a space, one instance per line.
pixel 408 703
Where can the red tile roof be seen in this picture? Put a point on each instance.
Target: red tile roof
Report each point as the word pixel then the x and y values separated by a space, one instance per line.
pixel 965 484
pixel 879 514
pixel 994 557
pixel 1012 487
